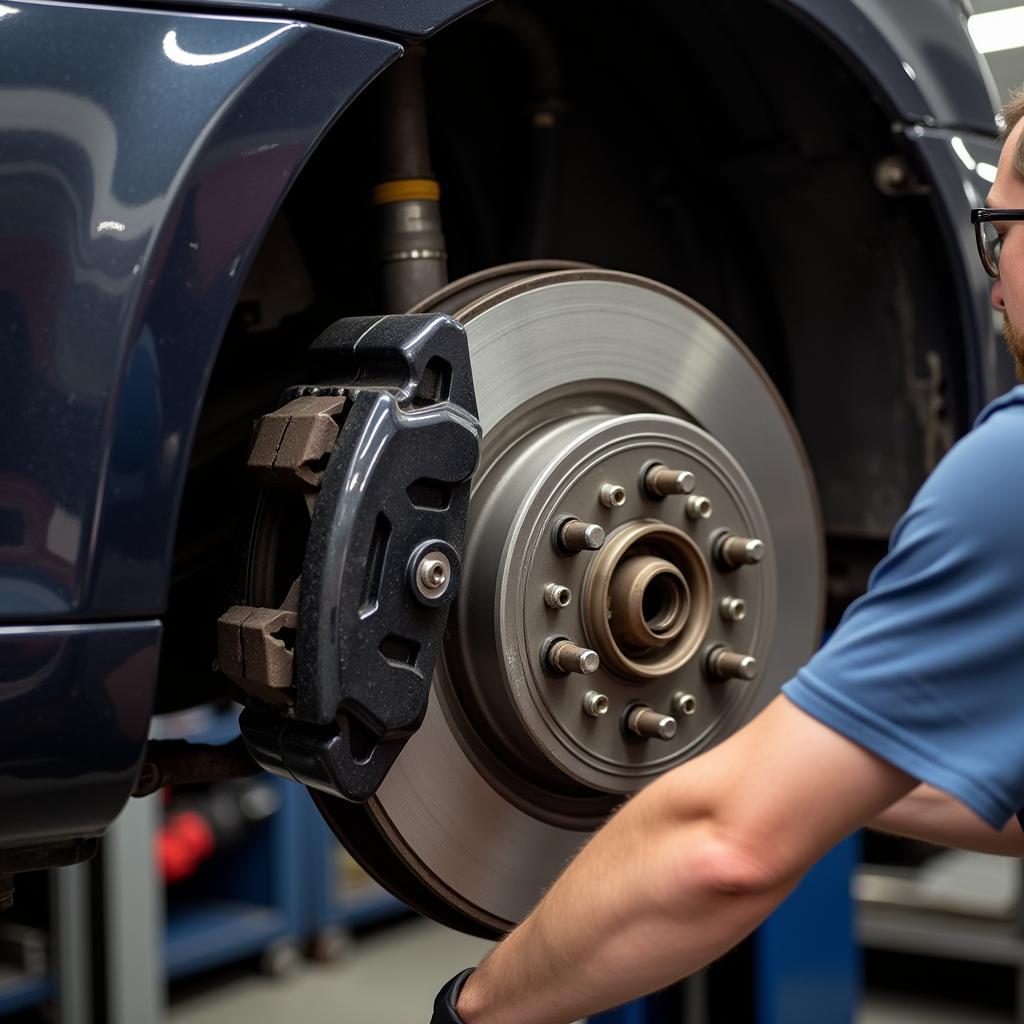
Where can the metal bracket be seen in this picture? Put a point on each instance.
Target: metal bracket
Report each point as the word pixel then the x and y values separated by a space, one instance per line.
pixel 385 456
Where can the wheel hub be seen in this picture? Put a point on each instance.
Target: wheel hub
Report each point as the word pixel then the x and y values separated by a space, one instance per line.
pixel 644 600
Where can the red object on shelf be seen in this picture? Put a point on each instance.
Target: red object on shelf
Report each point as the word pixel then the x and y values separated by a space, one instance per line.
pixel 184 842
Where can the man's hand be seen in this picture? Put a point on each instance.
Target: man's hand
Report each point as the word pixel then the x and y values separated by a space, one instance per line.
pixel 444 1004
pixel 683 871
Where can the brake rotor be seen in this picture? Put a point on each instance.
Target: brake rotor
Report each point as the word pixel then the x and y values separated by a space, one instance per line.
pixel 705 595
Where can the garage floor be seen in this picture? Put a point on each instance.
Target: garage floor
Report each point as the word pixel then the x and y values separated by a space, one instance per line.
pixel 392 976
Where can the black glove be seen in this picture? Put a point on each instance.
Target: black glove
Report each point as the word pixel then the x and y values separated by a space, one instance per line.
pixel 444 1004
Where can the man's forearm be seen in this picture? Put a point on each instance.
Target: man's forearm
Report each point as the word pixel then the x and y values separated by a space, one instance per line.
pixel 929 814
pixel 686 869
pixel 650 900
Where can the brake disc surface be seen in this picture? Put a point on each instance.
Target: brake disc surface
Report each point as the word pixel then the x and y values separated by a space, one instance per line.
pixel 584 380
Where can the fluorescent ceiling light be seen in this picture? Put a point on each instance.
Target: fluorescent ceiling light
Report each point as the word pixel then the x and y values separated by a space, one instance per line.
pixel 997 30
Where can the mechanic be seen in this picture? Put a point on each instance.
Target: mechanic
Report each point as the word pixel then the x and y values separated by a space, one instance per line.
pixel 910 720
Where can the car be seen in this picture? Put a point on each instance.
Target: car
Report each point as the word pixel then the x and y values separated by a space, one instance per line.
pixel 497 400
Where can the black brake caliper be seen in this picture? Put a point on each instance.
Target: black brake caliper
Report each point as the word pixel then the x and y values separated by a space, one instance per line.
pixel 338 676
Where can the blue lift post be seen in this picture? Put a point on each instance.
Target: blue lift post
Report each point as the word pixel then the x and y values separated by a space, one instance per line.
pixel 808 964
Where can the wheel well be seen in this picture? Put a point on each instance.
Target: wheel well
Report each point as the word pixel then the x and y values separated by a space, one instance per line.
pixel 721 148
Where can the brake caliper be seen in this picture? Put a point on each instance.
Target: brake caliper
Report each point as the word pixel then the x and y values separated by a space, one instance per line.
pixel 339 674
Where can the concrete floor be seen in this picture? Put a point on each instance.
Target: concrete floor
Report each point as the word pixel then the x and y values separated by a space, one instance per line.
pixel 392 975
pixel 387 977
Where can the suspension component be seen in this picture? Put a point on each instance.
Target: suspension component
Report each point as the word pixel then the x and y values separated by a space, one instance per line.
pixel 407 199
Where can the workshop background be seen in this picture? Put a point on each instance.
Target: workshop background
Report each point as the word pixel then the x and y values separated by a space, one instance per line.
pixel 233 901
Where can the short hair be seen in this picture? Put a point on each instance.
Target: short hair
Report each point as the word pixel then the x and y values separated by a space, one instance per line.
pixel 1012 112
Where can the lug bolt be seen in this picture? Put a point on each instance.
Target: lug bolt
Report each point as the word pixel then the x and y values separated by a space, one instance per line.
pixel 613 495
pixel 660 481
pixel 565 656
pixel 575 535
pixel 595 704
pixel 733 609
pixel 683 703
pixel 726 664
pixel 650 725
pixel 732 552
pixel 557 596
pixel 698 507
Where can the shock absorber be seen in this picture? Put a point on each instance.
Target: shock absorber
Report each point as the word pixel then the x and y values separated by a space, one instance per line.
pixel 414 262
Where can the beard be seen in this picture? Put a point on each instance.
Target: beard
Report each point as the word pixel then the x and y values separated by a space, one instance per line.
pixel 1015 343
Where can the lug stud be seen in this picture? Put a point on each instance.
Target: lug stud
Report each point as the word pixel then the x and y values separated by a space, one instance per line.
pixel 698 507
pixel 613 495
pixel 557 596
pixel 731 552
pixel 660 481
pixel 684 703
pixel 574 535
pixel 725 664
pixel 564 656
pixel 733 609
pixel 595 704
pixel 649 724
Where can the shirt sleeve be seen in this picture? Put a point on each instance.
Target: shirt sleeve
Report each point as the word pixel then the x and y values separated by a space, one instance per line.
pixel 926 670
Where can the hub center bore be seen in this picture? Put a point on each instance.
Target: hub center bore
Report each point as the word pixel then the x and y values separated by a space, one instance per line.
pixel 647 600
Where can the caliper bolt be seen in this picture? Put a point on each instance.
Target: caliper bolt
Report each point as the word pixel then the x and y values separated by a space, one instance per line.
pixel 733 609
pixel 731 552
pixel 557 596
pixel 649 724
pixel 683 703
pixel 613 495
pixel 564 656
pixel 725 664
pixel 660 481
pixel 698 507
pixel 595 704
pixel 433 574
pixel 574 535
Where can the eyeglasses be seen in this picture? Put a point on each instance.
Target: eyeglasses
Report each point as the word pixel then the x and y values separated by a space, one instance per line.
pixel 990 241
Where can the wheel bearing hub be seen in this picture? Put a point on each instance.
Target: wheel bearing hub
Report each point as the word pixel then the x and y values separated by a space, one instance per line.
pixel 647 597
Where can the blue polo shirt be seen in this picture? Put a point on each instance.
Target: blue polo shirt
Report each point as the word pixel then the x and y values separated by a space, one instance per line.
pixel 926 670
